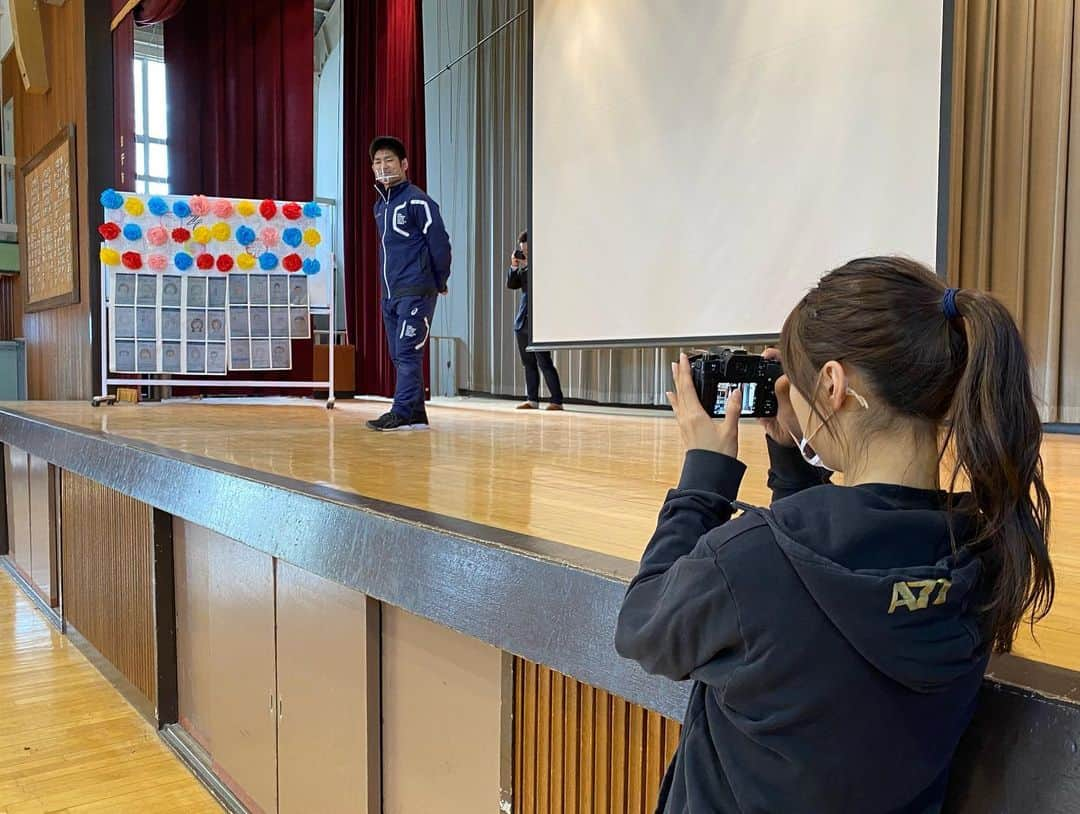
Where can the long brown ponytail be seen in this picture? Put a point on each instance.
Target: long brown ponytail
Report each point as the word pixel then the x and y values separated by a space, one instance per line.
pixel 962 367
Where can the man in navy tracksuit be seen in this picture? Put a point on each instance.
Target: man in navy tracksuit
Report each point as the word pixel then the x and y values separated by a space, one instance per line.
pixel 414 265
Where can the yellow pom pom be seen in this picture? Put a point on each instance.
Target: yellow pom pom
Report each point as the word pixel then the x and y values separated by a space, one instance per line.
pixel 221 231
pixel 246 208
pixel 110 257
pixel 245 261
pixel 134 206
pixel 201 235
pixel 312 237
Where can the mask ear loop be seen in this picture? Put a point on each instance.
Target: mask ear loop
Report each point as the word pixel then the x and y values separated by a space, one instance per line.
pixel 858 398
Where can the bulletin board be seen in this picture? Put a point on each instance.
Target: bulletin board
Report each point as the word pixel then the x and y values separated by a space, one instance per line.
pixel 49 229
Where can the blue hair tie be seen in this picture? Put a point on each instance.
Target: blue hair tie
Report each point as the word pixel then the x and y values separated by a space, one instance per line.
pixel 948 304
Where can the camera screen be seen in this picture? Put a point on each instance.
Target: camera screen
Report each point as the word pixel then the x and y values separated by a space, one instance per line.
pixel 722 391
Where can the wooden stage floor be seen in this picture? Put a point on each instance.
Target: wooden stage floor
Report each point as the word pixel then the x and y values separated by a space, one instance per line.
pixel 591 480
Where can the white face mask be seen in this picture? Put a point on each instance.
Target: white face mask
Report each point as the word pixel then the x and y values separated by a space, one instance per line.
pixel 808 453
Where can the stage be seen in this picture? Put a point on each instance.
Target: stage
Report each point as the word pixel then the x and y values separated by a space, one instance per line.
pixel 208 550
pixel 577 488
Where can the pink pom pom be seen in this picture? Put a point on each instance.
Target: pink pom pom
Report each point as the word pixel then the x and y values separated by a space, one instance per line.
pixel 157 236
pixel 158 262
pixel 223 208
pixel 269 237
pixel 200 205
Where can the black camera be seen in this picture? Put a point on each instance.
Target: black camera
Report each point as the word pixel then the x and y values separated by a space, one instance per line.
pixel 717 374
pixel 519 254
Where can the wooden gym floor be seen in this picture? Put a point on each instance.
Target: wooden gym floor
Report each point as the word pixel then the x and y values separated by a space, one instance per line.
pixel 69 743
pixel 586 479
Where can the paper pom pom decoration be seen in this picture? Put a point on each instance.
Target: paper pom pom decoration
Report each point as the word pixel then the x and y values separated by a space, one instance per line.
pixel 205 261
pixel 311 266
pixel 201 234
pixel 292 211
pixel 245 209
pixel 312 210
pixel 267 261
pixel 157 206
pixel 182 260
pixel 269 236
pixel 245 235
pixel 312 237
pixel 132 231
pixel 181 235
pixel 181 209
pixel 268 209
pixel 224 262
pixel 200 205
pixel 158 262
pixel 132 260
pixel 134 206
pixel 245 261
pixel 221 231
pixel 109 230
pixel 110 257
pixel 292 262
pixel 292 237
pixel 222 208
pixel 157 236
pixel 111 199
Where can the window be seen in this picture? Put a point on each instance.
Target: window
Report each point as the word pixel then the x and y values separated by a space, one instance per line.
pixel 151 120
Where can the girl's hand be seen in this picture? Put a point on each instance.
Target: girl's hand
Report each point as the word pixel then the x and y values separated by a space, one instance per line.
pixel 698 429
pixel 784 424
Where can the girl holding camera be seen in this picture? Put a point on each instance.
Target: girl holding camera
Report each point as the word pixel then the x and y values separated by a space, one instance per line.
pixel 838 639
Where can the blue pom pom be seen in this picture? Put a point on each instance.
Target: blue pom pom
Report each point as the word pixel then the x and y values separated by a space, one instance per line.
pixel 292 236
pixel 157 206
pixel 267 261
pixel 132 231
pixel 111 199
pixel 245 235
pixel 312 210
pixel 181 209
pixel 182 260
pixel 311 266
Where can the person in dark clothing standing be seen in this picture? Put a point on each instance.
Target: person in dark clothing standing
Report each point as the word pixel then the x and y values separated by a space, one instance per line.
pixel 838 639
pixel 414 261
pixel 535 362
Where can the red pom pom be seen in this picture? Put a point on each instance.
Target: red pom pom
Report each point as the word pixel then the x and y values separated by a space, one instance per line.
pixel 205 261
pixel 109 231
pixel 181 235
pixel 224 262
pixel 292 262
pixel 268 209
pixel 132 260
pixel 292 211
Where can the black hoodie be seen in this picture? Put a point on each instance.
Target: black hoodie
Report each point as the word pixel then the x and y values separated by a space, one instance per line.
pixel 834 640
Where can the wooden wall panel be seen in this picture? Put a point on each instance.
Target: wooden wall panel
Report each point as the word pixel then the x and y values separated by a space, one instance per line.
pixel 10 307
pixel 107 549
pixel 581 750
pixel 59 360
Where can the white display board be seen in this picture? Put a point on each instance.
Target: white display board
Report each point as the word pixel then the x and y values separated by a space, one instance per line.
pixel 696 168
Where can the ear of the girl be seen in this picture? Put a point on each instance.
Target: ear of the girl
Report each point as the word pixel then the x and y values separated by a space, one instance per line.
pixel 835 384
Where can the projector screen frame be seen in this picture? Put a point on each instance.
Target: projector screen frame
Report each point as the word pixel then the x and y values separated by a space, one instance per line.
pixel 945 103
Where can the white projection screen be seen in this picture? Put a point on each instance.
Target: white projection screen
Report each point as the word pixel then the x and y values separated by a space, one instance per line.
pixel 698 164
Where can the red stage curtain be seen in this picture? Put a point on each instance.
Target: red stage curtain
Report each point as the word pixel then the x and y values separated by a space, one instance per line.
pixel 149 12
pixel 241 98
pixel 123 38
pixel 383 75
pixel 240 80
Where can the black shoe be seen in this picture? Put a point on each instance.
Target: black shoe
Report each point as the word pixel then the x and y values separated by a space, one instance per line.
pixel 389 422
pixel 419 419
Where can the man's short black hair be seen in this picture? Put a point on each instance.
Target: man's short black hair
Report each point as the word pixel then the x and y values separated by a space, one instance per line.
pixel 523 237
pixel 390 143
